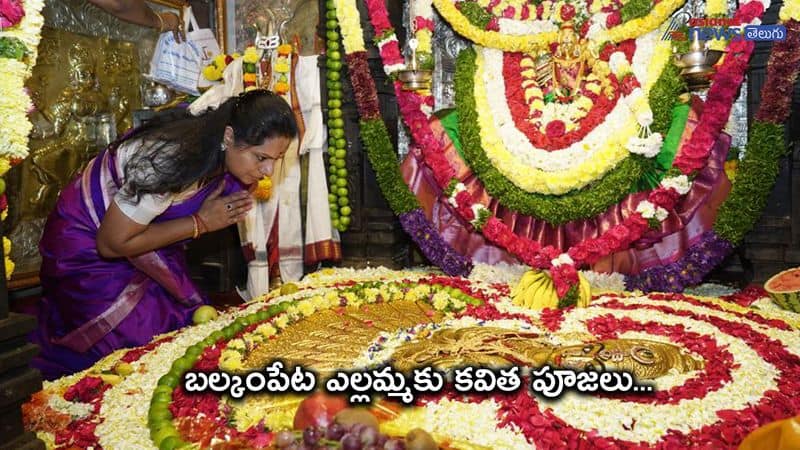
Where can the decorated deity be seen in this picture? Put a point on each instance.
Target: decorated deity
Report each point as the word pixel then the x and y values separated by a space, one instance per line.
pixel 489 346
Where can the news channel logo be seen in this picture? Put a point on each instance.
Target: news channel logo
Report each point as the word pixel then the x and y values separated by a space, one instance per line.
pixel 706 29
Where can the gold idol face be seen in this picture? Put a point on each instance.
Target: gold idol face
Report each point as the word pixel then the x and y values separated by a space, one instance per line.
pixel 497 347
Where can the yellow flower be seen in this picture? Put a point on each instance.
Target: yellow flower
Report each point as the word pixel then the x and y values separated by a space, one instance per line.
pixel 790 10
pixel 350 24
pixel 526 44
pixel 5 165
pixel 264 189
pixel 282 67
pixel 6 246
pixel 211 73
pixel 424 38
pixel 4 214
pixel 251 55
pixel 249 77
pixel 266 330
pixel 440 300
pixel 282 321
pixel 231 361
pixel 637 27
pixel 284 49
pixel 281 88
pixel 306 308
pixel 9 268
pixel 716 7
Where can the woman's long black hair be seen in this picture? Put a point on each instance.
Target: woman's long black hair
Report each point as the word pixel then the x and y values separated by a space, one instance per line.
pixel 174 151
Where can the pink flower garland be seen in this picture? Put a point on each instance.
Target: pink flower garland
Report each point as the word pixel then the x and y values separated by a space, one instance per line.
pixel 11 13
pixel 693 155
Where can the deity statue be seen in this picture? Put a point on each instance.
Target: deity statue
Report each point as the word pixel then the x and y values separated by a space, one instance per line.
pixel 487 346
pixel 66 133
pixel 570 62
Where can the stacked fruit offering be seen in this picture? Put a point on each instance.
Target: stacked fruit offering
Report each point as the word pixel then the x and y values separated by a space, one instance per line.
pixel 337 145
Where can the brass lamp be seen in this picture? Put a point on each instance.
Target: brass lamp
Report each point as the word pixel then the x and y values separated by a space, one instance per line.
pixel 697 64
pixel 413 77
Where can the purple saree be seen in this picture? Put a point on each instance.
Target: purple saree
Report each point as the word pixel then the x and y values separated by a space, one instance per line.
pixel 92 306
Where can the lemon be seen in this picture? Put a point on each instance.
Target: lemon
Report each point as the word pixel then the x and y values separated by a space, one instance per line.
pixel 289 288
pixel 204 314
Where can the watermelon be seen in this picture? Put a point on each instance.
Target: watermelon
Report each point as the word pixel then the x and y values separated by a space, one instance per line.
pixel 784 288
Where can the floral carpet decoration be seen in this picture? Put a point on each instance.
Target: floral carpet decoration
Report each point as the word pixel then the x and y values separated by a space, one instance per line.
pixel 745 356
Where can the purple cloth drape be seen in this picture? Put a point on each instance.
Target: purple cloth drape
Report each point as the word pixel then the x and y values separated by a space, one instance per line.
pixel 92 306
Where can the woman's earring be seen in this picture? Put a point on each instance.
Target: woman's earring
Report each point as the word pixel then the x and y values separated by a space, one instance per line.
pixel 222 147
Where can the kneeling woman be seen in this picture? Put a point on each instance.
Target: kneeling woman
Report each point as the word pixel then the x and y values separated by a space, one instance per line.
pixel 113 265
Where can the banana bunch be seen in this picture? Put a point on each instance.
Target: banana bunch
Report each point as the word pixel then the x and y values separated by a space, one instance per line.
pixel 536 290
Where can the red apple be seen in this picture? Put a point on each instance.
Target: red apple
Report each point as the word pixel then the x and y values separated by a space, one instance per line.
pixel 318 410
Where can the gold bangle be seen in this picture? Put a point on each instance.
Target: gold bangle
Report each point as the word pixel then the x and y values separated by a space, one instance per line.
pixel 196 231
pixel 203 227
pixel 160 22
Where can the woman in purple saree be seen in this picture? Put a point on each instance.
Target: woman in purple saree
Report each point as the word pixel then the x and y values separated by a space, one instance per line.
pixel 113 269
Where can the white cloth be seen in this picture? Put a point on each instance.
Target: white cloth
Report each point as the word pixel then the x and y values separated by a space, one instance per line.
pixel 233 85
pixel 315 143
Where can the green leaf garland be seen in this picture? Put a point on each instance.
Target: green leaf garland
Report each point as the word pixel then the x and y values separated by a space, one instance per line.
pixel 384 162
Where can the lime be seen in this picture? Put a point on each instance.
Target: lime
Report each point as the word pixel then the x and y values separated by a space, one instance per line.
pixel 331 14
pixel 335 94
pixel 334 208
pixel 340 153
pixel 204 314
pixel 342 191
pixel 332 179
pixel 337 123
pixel 181 365
pixel 343 201
pixel 337 85
pixel 338 133
pixel 341 227
pixel 341 173
pixel 331 24
pixel 345 221
pixel 193 352
pixel 335 223
pixel 331 197
pixel 333 76
pixel 335 113
pixel 168 380
pixel 161 397
pixel 161 435
pixel 341 182
pixel 334 214
pixel 345 211
pixel 170 443
pixel 123 369
pixel 335 55
pixel 329 85
pixel 274 310
pixel 332 36
pixel 335 65
pixel 330 4
pixel 341 143
pixel 340 164
pixel 159 413
pixel 289 288
pixel 165 389
pixel 333 45
pixel 230 331
pixel 334 103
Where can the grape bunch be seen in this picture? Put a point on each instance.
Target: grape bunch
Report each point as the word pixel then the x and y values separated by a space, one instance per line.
pixel 353 437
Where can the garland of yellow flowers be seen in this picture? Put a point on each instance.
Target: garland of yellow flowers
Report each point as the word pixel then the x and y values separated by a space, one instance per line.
pixel 539 41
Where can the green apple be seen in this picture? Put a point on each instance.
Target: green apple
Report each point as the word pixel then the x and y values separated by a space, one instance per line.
pixel 289 288
pixel 204 314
